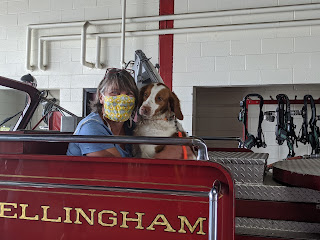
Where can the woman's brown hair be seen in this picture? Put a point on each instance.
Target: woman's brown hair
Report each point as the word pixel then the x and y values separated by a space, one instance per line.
pixel 119 78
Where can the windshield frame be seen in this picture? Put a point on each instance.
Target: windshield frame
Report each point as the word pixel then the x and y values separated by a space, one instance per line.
pixel 34 97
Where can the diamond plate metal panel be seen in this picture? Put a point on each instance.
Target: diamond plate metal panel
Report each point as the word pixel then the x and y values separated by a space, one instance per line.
pixel 278 225
pixel 272 191
pixel 245 167
pixel 266 234
pixel 309 166
pixel 276 193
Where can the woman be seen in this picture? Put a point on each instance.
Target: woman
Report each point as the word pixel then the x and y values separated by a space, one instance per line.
pixel 112 112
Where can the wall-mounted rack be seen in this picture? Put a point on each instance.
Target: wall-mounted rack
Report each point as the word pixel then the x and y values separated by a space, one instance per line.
pixel 295 101
pixel 287 132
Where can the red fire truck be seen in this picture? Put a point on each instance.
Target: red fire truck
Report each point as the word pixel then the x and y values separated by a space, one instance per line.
pixel 45 194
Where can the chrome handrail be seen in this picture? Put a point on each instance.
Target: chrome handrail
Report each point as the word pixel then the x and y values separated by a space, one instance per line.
pixel 213 214
pixel 212 195
pixel 238 139
pixel 105 188
pixel 222 138
pixel 189 141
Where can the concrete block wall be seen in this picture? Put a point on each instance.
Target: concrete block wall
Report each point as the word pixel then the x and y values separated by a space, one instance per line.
pixel 232 58
pixel 64 72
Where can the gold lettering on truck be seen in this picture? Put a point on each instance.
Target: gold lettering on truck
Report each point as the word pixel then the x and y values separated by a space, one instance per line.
pixel 114 218
pixel 125 219
pixel 79 212
pixel 105 218
pixel 185 221
pixel 68 210
pixel 164 222
pixel 3 209
pixel 23 213
pixel 45 215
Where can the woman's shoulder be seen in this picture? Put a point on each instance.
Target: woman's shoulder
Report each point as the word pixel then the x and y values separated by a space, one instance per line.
pixel 91 124
pixel 91 118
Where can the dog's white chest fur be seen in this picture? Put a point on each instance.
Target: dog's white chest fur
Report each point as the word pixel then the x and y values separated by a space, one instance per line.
pixel 154 128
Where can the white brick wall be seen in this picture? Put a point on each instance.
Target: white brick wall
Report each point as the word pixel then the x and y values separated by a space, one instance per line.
pixel 15 7
pixel 276 76
pixel 230 58
pixel 61 5
pixel 250 77
pixel 202 5
pixel 295 60
pixel 246 46
pixel 263 61
pixel 200 64
pixel 230 4
pixel 187 49
pixel 307 44
pixel 8 20
pixel 3 7
pixel 39 6
pixel 230 63
pixel 214 48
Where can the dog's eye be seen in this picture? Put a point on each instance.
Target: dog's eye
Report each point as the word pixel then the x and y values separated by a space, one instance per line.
pixel 159 98
pixel 145 95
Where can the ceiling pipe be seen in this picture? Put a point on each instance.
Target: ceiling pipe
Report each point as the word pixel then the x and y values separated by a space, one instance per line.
pixel 32 27
pixel 300 7
pixel 83 46
pixel 41 43
pixel 123 32
pixel 220 13
pixel 292 23
pixel 99 65
pixel 57 25
pixel 28 52
pixel 62 37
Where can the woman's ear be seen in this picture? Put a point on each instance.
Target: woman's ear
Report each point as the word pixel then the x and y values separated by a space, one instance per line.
pixel 175 106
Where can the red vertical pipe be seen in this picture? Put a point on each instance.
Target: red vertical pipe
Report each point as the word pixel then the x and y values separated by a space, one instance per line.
pixel 166 7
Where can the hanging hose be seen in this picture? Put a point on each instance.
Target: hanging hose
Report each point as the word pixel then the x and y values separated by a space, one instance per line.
pixel 311 137
pixel 48 107
pixel 285 127
pixel 250 140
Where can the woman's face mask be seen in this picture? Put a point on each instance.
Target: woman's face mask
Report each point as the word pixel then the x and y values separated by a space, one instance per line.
pixel 118 108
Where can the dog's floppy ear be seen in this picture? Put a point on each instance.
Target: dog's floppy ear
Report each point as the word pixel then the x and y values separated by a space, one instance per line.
pixel 175 105
pixel 141 93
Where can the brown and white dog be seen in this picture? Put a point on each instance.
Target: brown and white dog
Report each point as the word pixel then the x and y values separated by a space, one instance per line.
pixel 158 109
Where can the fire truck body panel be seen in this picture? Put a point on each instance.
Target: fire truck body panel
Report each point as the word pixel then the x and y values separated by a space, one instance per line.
pixel 64 197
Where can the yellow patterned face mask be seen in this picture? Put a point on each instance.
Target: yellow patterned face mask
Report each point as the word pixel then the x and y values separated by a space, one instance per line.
pixel 118 108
